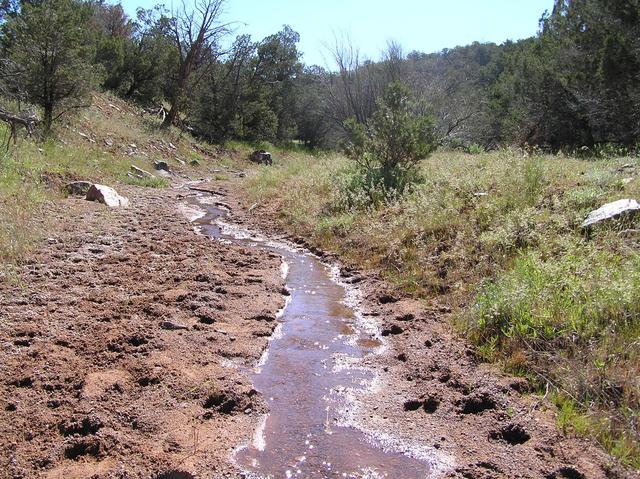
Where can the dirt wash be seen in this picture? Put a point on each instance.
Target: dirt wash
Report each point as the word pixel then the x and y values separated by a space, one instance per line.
pixel 128 343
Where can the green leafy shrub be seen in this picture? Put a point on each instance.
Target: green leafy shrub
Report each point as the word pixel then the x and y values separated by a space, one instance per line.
pixel 389 149
pixel 475 149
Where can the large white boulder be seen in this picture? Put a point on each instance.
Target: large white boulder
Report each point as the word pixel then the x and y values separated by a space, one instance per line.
pixel 613 210
pixel 106 195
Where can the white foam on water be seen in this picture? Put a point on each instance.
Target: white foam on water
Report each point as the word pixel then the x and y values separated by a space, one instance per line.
pixel 259 441
pixel 284 269
pixel 280 313
pixel 277 334
pixel 211 199
pixel 191 212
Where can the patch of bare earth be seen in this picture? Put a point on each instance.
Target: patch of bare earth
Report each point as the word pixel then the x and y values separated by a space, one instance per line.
pixel 122 345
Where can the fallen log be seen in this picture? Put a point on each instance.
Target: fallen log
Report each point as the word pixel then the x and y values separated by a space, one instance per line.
pixel 14 121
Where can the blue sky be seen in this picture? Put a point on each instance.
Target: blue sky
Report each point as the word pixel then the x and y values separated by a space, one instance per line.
pixel 427 25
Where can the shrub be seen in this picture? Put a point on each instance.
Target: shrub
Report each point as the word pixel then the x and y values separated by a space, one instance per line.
pixel 389 149
pixel 475 149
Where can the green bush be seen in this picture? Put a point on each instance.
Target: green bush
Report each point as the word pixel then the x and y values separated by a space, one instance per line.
pixel 389 149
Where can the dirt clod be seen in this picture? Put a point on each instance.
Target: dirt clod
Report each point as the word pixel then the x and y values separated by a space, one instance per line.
pixel 476 403
pixel 175 475
pixel 392 330
pixel 83 427
pixel 566 473
pixel 512 433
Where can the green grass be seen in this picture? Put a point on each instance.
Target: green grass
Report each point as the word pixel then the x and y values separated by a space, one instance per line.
pixel 497 236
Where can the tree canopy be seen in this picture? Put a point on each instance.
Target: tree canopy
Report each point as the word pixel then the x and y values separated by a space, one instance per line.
pixel 576 84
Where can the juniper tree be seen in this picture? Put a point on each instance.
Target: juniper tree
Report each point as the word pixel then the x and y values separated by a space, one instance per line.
pixel 390 147
pixel 49 43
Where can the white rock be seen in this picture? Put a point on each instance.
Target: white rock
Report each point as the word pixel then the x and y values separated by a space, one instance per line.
pixel 612 210
pixel 106 195
pixel 140 173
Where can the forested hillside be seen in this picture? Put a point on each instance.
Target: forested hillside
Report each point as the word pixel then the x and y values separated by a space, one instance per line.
pixel 574 86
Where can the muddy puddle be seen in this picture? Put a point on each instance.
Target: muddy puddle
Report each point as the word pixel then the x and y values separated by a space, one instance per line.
pixel 305 373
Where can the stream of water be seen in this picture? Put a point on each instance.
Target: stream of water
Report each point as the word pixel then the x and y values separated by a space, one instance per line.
pixel 304 373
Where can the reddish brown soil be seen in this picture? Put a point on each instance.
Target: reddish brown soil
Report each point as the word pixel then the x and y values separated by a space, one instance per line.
pixel 94 379
pixel 443 396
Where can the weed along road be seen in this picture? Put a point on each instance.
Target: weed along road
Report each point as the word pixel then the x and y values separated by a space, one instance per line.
pixel 310 373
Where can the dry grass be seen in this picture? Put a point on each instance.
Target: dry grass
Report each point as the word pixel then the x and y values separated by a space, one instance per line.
pixel 498 236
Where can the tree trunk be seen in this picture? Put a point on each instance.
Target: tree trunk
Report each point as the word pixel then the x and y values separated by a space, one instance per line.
pixel 171 116
pixel 48 118
pixel 185 71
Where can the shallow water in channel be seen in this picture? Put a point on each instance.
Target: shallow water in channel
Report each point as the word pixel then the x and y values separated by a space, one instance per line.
pixel 304 373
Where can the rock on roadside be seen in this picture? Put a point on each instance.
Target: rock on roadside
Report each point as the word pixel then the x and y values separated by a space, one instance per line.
pixel 140 173
pixel 613 210
pixel 77 188
pixel 106 195
pixel 161 165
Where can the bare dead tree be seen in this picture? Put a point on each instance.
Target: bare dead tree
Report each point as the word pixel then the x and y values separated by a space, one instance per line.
pixel 393 62
pixel 353 90
pixel 449 97
pixel 14 121
pixel 196 33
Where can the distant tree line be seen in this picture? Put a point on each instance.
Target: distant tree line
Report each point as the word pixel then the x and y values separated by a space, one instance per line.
pixel 574 85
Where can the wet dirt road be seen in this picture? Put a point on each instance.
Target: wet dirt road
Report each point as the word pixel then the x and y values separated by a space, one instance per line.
pixel 305 372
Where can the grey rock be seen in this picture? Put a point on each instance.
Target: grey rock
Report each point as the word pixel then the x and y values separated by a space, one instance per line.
pixel 617 209
pixel 172 326
pixel 77 188
pixel 161 165
pixel 140 173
